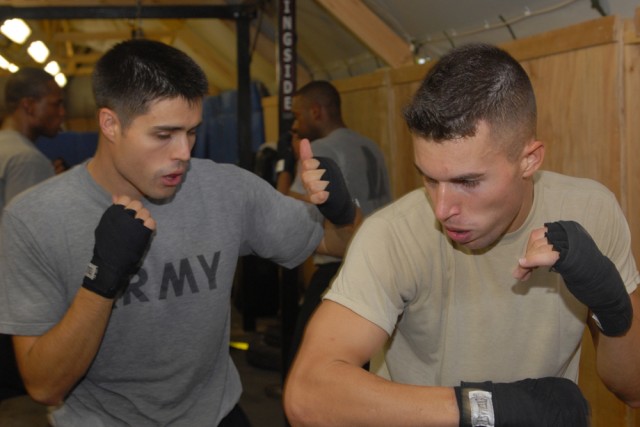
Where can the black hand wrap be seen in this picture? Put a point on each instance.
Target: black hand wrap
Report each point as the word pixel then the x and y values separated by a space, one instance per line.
pixel 339 208
pixel 121 240
pixel 591 277
pixel 286 159
pixel 543 402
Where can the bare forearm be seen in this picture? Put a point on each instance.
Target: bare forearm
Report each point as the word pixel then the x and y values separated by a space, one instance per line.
pixel 343 394
pixel 54 362
pixel 283 182
pixel 618 361
pixel 327 386
pixel 299 196
pixel 336 238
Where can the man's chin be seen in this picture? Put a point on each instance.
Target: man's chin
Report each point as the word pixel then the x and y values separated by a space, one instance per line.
pixel 164 195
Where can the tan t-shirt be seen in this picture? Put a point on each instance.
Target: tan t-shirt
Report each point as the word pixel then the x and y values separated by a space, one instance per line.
pixel 454 314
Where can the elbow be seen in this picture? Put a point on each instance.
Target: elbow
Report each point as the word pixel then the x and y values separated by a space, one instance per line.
pixel 627 392
pixel 293 409
pixel 46 399
pixel 45 395
pixel 297 411
pixel 631 401
pixel 629 396
pixel 635 404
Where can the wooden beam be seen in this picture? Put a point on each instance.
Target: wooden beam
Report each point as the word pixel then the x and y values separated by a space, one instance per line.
pixel 585 34
pixel 78 36
pixel 266 48
pixel 371 30
pixel 224 72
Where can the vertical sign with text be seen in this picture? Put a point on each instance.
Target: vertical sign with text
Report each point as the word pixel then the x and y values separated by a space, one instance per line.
pixel 287 59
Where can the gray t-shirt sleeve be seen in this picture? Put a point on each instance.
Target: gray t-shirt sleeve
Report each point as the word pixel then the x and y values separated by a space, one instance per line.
pixel 280 228
pixel 24 171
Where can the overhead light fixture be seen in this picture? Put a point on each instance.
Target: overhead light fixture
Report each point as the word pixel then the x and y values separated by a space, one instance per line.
pixel 16 30
pixel 61 79
pixel 4 64
pixel 52 68
pixel 420 54
pixel 38 51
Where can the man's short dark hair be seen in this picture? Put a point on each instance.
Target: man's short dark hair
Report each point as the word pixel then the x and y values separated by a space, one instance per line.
pixel 27 82
pixel 322 93
pixel 472 83
pixel 137 72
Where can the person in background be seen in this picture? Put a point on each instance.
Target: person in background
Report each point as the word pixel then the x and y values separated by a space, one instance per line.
pixel 479 285
pixel 317 114
pixel 59 165
pixel 118 294
pixel 34 105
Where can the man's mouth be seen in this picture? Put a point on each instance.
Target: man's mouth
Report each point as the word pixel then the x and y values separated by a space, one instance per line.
pixel 458 235
pixel 172 179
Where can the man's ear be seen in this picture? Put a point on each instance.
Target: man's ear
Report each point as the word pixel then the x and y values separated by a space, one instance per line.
pixel 109 123
pixel 316 111
pixel 27 104
pixel 533 155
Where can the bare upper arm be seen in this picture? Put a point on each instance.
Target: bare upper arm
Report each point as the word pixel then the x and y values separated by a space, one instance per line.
pixel 336 333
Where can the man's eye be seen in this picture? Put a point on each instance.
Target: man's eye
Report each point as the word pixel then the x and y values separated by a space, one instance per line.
pixel 470 184
pixel 429 181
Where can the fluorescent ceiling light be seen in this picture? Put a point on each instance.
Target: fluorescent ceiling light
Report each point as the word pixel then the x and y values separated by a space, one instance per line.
pixel 4 64
pixel 52 68
pixel 16 30
pixel 13 68
pixel 61 79
pixel 38 51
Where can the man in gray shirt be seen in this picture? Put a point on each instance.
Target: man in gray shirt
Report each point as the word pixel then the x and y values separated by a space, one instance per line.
pixel 34 105
pixel 143 338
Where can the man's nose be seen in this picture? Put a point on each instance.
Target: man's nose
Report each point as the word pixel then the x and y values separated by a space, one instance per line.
pixel 444 202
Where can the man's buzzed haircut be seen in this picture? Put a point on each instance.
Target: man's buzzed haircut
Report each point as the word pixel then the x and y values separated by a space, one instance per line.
pixel 26 83
pixel 136 72
pixel 322 93
pixel 472 83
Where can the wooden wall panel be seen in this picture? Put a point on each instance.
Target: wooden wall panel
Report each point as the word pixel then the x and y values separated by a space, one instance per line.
pixel 631 150
pixel 404 83
pixel 578 112
pixel 82 124
pixel 632 143
pixel 404 176
pixel 270 117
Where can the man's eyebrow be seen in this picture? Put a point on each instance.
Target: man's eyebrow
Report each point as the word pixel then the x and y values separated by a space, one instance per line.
pixel 167 127
pixel 173 128
pixel 460 178
pixel 467 177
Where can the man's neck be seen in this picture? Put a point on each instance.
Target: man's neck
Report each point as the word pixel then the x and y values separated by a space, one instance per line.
pixel 103 172
pixel 330 128
pixel 17 125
